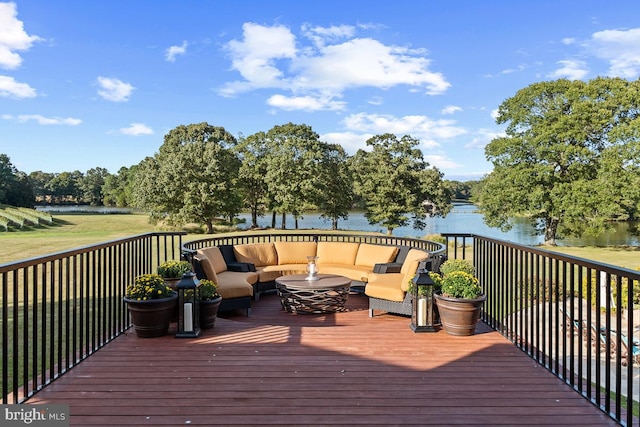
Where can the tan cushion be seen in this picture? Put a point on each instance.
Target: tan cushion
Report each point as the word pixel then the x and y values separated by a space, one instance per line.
pixel 258 254
pixel 353 272
pixel 369 255
pixel 386 286
pixel 215 257
pixel 266 274
pixel 337 253
pixel 234 285
pixel 410 265
pixel 294 252
pixel 207 268
pixel 286 269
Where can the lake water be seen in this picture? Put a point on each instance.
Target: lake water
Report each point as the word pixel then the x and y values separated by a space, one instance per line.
pixel 464 218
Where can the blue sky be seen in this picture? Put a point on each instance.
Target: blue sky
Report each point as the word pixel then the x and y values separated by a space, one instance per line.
pixel 90 83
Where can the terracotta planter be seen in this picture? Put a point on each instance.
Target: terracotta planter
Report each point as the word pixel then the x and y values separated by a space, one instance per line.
pixel 151 318
pixel 172 282
pixel 459 316
pixel 209 313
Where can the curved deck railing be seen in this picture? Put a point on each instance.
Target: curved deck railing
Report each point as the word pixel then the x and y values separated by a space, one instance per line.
pixel 433 248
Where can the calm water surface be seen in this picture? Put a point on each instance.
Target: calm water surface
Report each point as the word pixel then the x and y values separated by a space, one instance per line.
pixel 464 218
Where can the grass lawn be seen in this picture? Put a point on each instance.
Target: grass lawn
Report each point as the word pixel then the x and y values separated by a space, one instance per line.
pixel 75 230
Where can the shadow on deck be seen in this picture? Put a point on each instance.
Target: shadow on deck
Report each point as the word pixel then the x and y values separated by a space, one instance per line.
pixel 276 368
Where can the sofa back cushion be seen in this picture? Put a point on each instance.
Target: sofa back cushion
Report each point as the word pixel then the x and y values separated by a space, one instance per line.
pixel 258 254
pixel 206 267
pixel 295 252
pixel 214 256
pixel 410 265
pixel 370 255
pixel 337 253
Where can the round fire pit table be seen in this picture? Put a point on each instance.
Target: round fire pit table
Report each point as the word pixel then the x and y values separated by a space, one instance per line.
pixel 328 294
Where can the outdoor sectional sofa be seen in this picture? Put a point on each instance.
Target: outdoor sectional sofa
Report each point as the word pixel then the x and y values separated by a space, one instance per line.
pixel 244 271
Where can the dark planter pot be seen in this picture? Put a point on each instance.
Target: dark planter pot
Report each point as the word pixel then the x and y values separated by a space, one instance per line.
pixel 209 313
pixel 172 282
pixel 151 318
pixel 459 317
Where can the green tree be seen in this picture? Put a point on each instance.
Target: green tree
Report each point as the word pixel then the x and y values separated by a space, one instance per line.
pixel 193 177
pixel 336 195
pixel 118 189
pixel 293 161
pixel 15 188
pixel 65 187
pixel 91 185
pixel 39 181
pixel 397 183
pixel 252 151
pixel 549 166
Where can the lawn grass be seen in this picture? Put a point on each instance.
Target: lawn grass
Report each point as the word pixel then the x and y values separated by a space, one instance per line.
pixel 76 230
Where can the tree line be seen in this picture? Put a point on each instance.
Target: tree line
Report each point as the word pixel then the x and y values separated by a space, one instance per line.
pixel 568 161
pixel 202 173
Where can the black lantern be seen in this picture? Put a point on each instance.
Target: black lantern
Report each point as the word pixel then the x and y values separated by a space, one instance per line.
pixel 422 303
pixel 188 306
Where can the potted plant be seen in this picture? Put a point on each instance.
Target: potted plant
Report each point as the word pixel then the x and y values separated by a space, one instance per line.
pixel 151 303
pixel 172 271
pixel 209 302
pixel 459 298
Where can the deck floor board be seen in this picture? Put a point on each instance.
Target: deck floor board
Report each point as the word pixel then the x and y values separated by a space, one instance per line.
pixel 277 368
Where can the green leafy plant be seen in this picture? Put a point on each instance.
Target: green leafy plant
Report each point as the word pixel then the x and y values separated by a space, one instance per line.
pixel 148 287
pixel 456 280
pixel 173 269
pixel 208 290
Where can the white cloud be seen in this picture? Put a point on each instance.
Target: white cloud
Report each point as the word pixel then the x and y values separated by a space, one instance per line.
pixel 305 103
pixel 621 48
pixel 422 127
pixel 136 129
pixel 114 89
pixel 336 61
pixel 173 51
pixel 482 138
pixel 450 109
pixel 350 141
pixel 12 37
pixel 42 120
pixel 568 41
pixel 441 161
pixel 571 69
pixel 9 87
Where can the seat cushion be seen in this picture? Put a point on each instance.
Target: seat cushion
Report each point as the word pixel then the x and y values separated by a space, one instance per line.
pixel 215 258
pixel 234 285
pixel 259 254
pixel 369 255
pixel 295 252
pixel 386 286
pixel 337 253
pixel 353 272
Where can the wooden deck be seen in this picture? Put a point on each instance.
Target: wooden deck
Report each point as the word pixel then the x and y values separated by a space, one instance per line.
pixel 276 368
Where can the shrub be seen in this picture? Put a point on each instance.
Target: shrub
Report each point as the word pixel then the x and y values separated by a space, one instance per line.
pixel 173 269
pixel 208 290
pixel 452 265
pixel 148 287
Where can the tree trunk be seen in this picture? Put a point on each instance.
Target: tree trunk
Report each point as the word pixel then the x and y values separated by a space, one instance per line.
pixel 295 221
pixel 254 218
pixel 273 219
pixel 389 231
pixel 284 221
pixel 334 223
pixel 550 232
pixel 209 224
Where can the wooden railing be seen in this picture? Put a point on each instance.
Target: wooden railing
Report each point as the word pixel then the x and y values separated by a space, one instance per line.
pixel 564 312
pixel 58 309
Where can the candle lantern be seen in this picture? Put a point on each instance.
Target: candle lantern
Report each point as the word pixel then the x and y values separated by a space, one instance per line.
pixel 312 268
pixel 188 306
pixel 422 315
